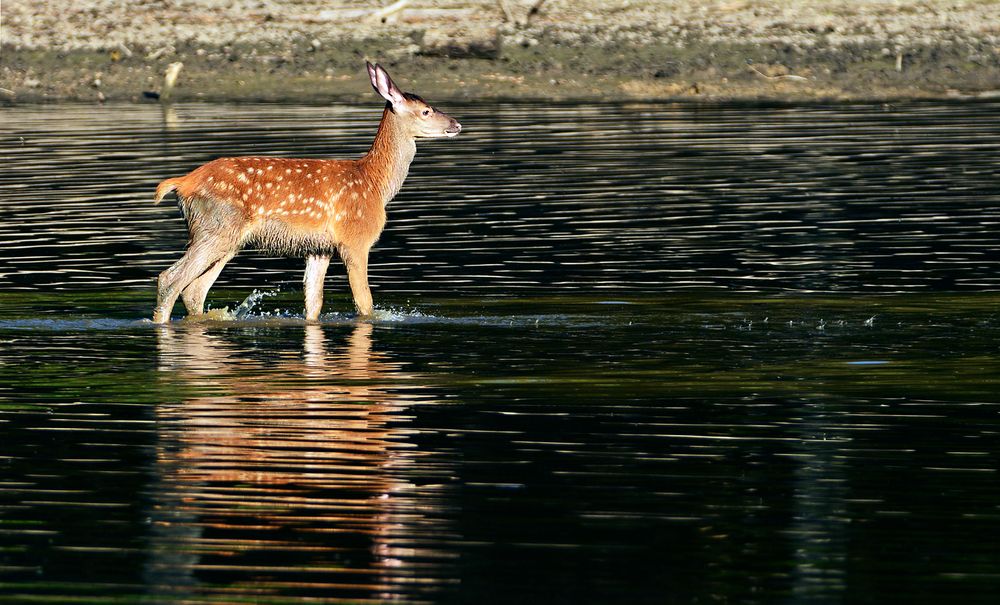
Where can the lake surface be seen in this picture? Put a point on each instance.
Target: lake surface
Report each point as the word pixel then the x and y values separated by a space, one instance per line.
pixel 637 353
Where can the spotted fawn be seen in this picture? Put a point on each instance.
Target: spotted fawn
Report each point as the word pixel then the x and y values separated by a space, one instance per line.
pixel 297 207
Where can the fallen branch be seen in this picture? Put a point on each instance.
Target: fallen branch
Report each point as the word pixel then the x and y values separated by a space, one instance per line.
pixel 508 15
pixel 781 77
pixel 505 9
pixel 534 10
pixel 383 14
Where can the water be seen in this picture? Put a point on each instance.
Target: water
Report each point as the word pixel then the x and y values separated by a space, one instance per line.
pixel 643 353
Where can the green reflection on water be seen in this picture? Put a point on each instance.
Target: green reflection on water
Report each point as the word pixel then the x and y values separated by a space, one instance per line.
pixel 712 344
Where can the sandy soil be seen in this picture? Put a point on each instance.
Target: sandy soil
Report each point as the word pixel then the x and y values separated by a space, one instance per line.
pixel 312 51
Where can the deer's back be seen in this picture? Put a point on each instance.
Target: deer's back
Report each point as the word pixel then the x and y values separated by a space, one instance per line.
pixel 292 205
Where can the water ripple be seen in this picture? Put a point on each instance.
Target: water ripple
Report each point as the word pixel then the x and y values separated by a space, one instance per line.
pixel 634 198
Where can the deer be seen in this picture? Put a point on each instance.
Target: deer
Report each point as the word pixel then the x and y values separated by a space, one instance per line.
pixel 313 208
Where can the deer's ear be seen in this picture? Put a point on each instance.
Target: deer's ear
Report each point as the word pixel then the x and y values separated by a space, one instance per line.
pixel 384 85
pixel 371 74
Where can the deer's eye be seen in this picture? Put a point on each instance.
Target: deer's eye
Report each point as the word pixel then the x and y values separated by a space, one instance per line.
pixel 425 112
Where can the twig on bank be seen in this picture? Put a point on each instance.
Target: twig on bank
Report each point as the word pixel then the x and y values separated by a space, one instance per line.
pixel 780 77
pixel 508 15
pixel 505 9
pixel 534 10
pixel 384 13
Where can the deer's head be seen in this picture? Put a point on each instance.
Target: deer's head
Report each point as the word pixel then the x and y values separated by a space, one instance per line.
pixel 421 120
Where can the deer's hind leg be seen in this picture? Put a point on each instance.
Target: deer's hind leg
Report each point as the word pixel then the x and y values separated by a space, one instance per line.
pixel 196 292
pixel 214 237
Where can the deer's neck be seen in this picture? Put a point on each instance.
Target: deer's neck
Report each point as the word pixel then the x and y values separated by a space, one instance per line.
pixel 388 161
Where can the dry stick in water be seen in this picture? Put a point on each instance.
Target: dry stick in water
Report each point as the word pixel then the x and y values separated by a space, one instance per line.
pixel 170 80
pixel 302 207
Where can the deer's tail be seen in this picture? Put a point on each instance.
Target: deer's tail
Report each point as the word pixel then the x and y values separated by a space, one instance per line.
pixel 166 187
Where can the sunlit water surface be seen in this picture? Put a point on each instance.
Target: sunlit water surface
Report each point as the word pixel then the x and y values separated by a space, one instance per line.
pixel 643 353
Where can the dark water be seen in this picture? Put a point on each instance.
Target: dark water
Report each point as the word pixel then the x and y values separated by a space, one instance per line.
pixel 644 353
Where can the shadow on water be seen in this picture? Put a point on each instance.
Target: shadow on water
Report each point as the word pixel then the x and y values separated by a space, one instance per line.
pixel 643 353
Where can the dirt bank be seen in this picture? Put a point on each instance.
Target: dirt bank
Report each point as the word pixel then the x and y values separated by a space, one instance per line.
pixel 467 49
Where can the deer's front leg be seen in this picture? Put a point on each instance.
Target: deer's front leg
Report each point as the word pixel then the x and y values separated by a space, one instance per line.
pixel 356 262
pixel 312 283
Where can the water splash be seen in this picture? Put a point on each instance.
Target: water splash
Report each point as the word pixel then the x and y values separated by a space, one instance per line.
pixel 245 309
pixel 399 314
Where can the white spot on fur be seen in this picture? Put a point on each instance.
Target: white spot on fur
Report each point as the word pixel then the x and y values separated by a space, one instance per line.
pixel 242 178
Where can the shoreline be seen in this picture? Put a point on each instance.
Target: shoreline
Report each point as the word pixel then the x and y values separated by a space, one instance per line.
pixel 643 50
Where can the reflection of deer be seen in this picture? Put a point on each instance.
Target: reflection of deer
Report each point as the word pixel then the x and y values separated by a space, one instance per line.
pixel 271 468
